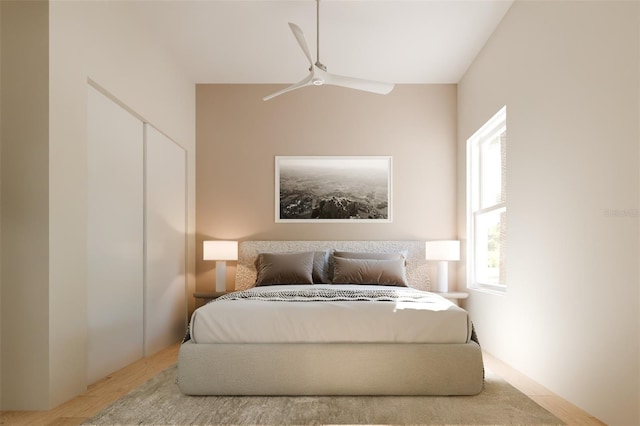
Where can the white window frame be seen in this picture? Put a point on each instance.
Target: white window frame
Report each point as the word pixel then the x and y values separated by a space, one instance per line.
pixel 475 206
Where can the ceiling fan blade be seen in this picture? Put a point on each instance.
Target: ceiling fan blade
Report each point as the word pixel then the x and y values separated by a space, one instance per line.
pixel 299 35
pixel 358 83
pixel 318 74
pixel 302 83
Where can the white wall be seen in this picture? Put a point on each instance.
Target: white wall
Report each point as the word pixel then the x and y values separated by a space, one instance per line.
pixel 568 73
pixel 103 42
pixel 115 236
pixel 165 306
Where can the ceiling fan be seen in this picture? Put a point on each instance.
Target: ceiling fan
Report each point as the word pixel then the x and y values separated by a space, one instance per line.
pixel 318 74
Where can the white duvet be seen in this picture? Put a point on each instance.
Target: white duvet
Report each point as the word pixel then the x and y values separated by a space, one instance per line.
pixel 433 319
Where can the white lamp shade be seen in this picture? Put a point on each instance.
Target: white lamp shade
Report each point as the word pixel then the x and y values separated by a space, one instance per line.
pixel 220 250
pixel 442 250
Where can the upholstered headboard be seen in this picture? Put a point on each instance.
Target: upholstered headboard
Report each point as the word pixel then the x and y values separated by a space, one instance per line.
pixel 417 272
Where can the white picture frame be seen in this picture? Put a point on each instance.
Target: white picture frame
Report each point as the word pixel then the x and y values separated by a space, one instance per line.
pixel 333 189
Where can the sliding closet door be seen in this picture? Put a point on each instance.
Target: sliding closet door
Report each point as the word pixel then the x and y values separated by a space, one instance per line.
pixel 115 237
pixel 165 309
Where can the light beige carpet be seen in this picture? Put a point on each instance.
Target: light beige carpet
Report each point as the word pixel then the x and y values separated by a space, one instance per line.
pixel 159 402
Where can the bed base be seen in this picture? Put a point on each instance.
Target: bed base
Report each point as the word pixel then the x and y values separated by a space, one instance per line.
pixel 330 369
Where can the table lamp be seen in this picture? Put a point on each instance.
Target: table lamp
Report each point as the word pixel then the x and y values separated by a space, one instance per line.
pixel 220 251
pixel 443 252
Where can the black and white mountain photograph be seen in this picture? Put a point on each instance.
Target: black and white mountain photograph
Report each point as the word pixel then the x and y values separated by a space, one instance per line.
pixel 333 189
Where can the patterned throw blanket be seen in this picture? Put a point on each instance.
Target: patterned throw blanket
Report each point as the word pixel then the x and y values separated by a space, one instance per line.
pixel 332 294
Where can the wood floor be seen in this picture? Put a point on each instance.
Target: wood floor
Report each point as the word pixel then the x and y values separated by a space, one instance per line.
pixel 564 410
pixel 116 385
pixel 98 395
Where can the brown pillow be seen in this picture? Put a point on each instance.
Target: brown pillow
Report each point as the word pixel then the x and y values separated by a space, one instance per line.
pixel 366 255
pixel 284 268
pixel 370 271
pixel 320 273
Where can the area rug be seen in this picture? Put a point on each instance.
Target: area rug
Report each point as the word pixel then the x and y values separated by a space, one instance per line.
pixel 159 402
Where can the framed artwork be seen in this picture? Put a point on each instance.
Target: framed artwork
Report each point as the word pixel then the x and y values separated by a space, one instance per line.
pixel 333 189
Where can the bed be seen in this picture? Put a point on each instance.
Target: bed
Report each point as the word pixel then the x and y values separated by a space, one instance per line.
pixel 331 318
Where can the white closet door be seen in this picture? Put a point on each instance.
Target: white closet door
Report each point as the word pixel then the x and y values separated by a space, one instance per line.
pixel 165 224
pixel 115 237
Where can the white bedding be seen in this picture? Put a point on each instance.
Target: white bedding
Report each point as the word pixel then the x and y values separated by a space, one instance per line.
pixel 433 319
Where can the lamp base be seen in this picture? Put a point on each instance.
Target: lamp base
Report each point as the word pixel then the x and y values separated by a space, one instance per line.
pixel 221 275
pixel 443 277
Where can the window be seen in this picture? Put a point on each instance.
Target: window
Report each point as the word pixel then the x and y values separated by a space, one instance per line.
pixel 487 204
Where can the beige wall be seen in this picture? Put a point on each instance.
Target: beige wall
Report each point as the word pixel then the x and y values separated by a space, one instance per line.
pixel 44 293
pixel 568 73
pixel 24 193
pixel 239 135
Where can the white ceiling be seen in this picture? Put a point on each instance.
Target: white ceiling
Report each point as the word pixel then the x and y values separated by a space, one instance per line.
pixel 397 41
